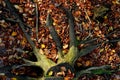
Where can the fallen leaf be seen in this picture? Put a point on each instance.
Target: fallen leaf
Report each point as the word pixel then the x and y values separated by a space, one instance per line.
pixel 42 46
pixel 14 33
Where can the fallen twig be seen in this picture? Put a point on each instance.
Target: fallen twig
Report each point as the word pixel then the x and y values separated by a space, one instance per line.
pixel 55 36
pixel 105 69
pixel 20 23
pixel 37 19
pixel 71 24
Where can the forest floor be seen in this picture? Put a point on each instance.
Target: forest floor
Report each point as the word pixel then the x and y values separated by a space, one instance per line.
pixel 96 19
